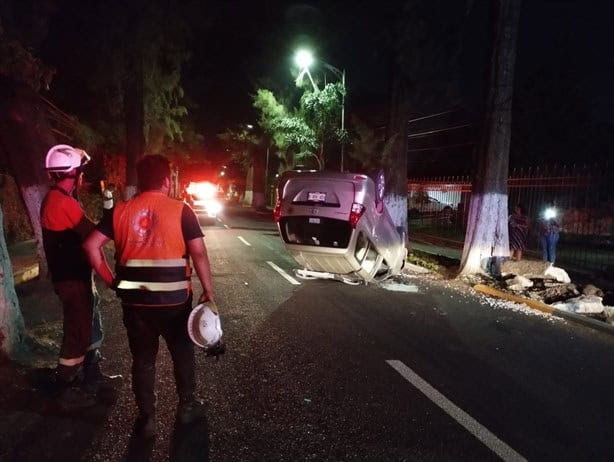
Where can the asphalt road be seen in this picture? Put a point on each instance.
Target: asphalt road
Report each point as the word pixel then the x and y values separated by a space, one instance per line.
pixel 320 370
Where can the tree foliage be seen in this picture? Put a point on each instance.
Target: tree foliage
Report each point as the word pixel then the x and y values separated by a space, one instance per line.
pixel 369 150
pixel 291 136
pixel 20 65
pixel 300 134
pixel 125 39
pixel 242 144
pixel 321 110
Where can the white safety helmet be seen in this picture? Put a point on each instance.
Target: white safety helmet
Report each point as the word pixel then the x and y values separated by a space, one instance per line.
pixel 204 327
pixel 63 158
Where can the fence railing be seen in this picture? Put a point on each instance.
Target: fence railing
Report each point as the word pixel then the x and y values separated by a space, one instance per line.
pixel 582 195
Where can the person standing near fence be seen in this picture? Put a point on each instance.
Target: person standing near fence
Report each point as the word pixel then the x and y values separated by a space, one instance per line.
pixel 518 224
pixel 549 234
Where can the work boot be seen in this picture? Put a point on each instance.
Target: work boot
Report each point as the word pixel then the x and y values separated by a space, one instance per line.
pixel 191 410
pixel 93 377
pixel 145 426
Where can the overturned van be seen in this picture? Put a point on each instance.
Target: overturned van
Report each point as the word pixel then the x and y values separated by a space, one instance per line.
pixel 335 225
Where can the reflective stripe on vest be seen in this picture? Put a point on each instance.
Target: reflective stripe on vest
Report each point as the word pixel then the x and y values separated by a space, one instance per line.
pixel 152 263
pixel 153 299
pixel 153 281
pixel 153 286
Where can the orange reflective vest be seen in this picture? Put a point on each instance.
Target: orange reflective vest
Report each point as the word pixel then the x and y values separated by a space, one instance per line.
pixel 152 262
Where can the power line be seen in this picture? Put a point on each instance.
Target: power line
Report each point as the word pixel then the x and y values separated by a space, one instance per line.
pixel 431 116
pixel 431 132
pixel 471 143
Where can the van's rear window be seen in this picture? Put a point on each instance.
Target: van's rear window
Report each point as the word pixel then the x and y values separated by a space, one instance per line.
pixel 316 231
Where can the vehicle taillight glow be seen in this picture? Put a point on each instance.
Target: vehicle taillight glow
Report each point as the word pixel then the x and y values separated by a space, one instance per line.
pixel 357 211
pixel 202 189
pixel 277 211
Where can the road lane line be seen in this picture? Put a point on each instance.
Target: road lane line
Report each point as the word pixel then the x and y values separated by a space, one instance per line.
pixel 226 226
pixel 285 275
pixel 244 241
pixel 473 426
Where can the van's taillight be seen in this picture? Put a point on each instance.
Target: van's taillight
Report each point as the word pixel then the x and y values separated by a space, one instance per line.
pixel 277 211
pixel 356 213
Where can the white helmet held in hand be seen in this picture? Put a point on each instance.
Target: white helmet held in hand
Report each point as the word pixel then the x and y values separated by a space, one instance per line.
pixel 205 328
pixel 63 158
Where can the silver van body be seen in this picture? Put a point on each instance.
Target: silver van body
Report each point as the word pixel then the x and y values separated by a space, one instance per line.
pixel 334 223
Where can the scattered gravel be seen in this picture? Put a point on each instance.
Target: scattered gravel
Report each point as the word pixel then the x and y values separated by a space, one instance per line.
pixel 465 289
pixel 517 307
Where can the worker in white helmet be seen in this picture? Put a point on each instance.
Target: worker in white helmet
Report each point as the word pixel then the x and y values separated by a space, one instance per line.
pixel 64 227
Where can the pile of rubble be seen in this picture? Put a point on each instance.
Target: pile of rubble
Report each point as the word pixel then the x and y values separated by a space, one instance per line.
pixel 541 281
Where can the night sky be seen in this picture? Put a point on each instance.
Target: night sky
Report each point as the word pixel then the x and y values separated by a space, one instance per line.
pixel 238 46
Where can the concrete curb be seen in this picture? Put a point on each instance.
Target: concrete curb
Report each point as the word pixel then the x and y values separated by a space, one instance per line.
pixel 410 268
pixel 588 322
pixel 26 273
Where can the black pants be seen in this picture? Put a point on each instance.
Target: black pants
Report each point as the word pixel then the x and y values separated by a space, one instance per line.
pixel 144 327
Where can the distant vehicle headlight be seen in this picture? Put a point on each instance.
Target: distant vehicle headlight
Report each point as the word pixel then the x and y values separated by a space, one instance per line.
pixel 201 189
pixel 213 206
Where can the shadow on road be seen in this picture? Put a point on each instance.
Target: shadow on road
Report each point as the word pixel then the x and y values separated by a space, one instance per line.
pixel 189 443
pixel 29 408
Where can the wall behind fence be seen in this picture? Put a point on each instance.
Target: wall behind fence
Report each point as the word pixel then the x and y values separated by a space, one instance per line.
pixel 582 195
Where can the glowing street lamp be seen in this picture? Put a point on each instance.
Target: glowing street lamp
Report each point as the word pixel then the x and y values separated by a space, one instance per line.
pixel 304 59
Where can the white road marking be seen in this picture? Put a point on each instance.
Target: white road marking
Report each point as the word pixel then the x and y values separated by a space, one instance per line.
pixel 226 226
pixel 473 426
pixel 244 241
pixel 400 287
pixel 285 275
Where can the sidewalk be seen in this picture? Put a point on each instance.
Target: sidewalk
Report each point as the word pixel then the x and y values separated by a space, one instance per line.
pixel 455 254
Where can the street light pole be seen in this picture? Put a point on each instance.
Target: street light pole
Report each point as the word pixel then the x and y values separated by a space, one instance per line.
pixel 342 118
pixel 341 74
pixel 266 176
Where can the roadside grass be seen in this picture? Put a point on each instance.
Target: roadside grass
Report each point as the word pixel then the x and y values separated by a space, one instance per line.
pixel 446 267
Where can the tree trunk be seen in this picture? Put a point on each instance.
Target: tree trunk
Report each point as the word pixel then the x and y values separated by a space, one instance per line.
pixel 395 163
pixel 320 157
pixel 248 196
pixel 11 321
pixel 33 197
pixel 486 238
pixel 25 135
pixel 258 181
pixel 134 112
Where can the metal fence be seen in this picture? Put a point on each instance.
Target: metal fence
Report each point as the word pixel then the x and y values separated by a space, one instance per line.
pixel 582 195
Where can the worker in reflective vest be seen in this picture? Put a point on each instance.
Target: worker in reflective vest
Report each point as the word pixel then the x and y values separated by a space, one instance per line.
pixel 154 237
